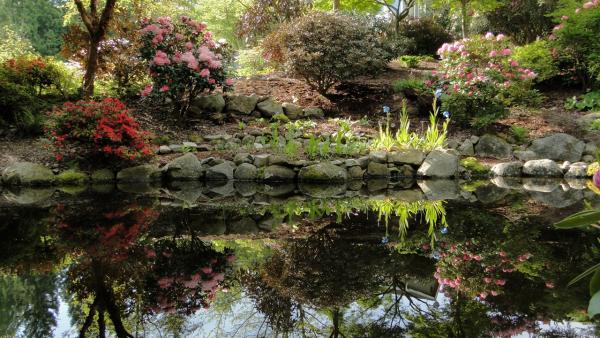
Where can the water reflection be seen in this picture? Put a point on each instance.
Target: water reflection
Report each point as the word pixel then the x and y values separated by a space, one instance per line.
pixel 386 266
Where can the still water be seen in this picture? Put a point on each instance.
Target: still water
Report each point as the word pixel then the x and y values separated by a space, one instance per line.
pixel 475 259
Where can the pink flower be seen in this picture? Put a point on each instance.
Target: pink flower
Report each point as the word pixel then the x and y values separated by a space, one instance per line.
pixel 179 36
pixel 214 64
pixel 577 10
pixel 207 270
pixel 596 179
pixel 513 63
pixel 161 58
pixel 506 52
pixel 205 72
pixel 489 35
pixel 549 285
pixel 164 88
pixel 212 81
pixel 494 293
pixel 205 54
pixel 558 27
pixel 564 18
pixel 189 45
pixel 500 282
pixel 500 37
pixel 146 91
pixel 487 280
pixel 229 82
pixel 588 5
pixel 493 54
pixel 483 295
pixel 191 61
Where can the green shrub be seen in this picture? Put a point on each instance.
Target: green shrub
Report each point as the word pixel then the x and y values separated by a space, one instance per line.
pixel 413 61
pixel 477 111
pixel 328 48
pixel 416 84
pixel 589 101
pixel 426 34
pixel 577 37
pixel 520 134
pixel 523 20
pixel 537 56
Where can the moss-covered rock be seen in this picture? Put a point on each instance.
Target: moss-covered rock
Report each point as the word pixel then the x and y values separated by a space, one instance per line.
pixel 28 174
pixel 326 172
pixel 474 166
pixel 72 177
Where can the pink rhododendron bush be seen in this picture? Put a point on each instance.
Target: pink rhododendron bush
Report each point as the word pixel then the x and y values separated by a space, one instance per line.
pixel 478 77
pixel 183 59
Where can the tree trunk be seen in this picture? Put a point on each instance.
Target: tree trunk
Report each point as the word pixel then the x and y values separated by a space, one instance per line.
pixel 464 16
pixel 90 70
pixel 336 5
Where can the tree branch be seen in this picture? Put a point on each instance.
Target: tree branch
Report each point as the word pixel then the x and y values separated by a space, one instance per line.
pixel 87 21
pixel 109 8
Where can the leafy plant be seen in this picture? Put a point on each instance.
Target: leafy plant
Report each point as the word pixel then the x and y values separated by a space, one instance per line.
pixel 520 134
pixel 312 148
pixel 426 34
pixel 537 56
pixel 588 101
pixel 410 83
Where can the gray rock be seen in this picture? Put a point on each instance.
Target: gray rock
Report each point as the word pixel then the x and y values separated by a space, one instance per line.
pixel 586 120
pixel 406 156
pixel 493 146
pixel 190 145
pixel 588 159
pixel 378 156
pixel 246 188
pixel 559 147
pixel 547 168
pixel 277 159
pixel 590 149
pixel 508 169
pixel 261 160
pixel 164 150
pixel 220 172
pixel 356 173
pixel 211 161
pixel 278 173
pixel 351 163
pixel 207 104
pixel 558 198
pixel 525 155
pixel 292 111
pixel 184 168
pixel 466 148
pixel 217 137
pixel 452 143
pixel 326 172
pixel 474 139
pixel 313 112
pixel 513 183
pixel 577 184
pixel 405 171
pixel 436 190
pixel 241 104
pixel 541 184
pixel 204 147
pixel 245 225
pixel 439 164
pixel 577 170
pixel 103 175
pixel 240 158
pixel 269 107
pixel 26 173
pixel 321 189
pixel 376 169
pixel 176 148
pixel 139 174
pixel 222 188
pixel 249 139
pixel 246 172
pixel 490 193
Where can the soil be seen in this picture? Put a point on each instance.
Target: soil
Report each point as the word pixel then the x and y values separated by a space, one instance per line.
pixel 361 98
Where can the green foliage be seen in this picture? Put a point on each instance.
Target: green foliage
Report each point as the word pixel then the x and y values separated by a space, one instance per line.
pixel 413 61
pixel 523 20
pixel 39 21
pixel 327 48
pixel 13 44
pixel 426 34
pixel 476 111
pixel 463 9
pixel 250 62
pixel 537 57
pixel 410 83
pixel 221 16
pixel 588 101
pixel 356 6
pixel 72 177
pixel 577 39
pixel 520 134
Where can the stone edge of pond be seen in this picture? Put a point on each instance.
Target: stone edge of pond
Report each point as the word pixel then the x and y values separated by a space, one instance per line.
pixel 269 168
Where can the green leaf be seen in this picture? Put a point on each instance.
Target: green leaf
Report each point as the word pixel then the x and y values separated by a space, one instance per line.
pixel 595 283
pixel 594 307
pixel 579 220
pixel 585 274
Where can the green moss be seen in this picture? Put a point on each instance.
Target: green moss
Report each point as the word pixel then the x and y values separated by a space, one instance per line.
pixel 72 177
pixel 471 186
pixel 474 166
pixel 281 118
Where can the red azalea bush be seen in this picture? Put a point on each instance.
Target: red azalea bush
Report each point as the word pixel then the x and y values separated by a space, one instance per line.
pixel 102 129
pixel 479 76
pixel 183 60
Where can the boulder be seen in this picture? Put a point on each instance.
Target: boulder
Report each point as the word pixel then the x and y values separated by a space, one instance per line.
pixel 139 174
pixel 558 147
pixel 436 190
pixel 406 156
pixel 546 168
pixel 246 172
pixel 355 173
pixel 72 177
pixel 162 150
pixel 525 155
pixel 278 173
pixel 292 111
pixel 439 163
pixel 220 172
pixel 27 173
pixel 467 148
pixel 184 168
pixel 103 176
pixel 577 170
pixel 241 104
pixel 323 172
pixel 240 158
pixel 207 104
pixel 376 169
pixel 269 107
pixel 508 169
pixel 378 156
pixel 313 112
pixel 493 146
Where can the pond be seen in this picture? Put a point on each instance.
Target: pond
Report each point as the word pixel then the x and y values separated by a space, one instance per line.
pixel 473 259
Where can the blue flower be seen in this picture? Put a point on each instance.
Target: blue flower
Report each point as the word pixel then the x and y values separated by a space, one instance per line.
pixel 446 114
pixel 444 230
pixel 438 93
pixel 386 109
pixel 385 240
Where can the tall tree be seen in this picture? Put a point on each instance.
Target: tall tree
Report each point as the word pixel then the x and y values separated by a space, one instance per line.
pixel 96 25
pixel 336 5
pixel 466 8
pixel 398 10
